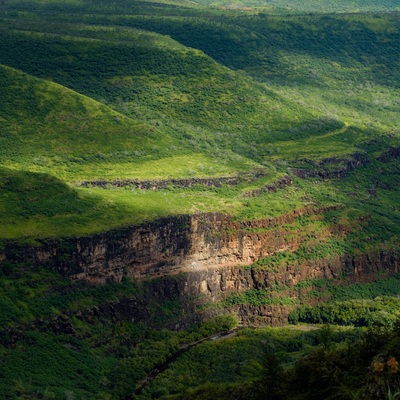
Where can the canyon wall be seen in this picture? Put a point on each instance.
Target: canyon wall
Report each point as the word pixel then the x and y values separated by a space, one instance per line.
pixel 204 257
pixel 192 290
pixel 166 246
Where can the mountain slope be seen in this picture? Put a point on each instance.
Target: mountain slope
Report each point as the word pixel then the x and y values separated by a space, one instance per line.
pixel 159 81
pixel 172 112
pixel 49 128
pixel 169 169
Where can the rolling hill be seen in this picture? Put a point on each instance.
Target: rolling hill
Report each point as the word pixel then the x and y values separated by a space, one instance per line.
pixel 174 172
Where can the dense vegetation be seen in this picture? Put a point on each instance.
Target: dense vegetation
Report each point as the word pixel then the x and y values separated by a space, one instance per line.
pixel 317 90
pixel 63 339
pixel 358 368
pixel 96 91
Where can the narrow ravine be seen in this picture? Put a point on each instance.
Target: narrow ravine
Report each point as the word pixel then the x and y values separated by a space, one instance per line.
pixel 158 369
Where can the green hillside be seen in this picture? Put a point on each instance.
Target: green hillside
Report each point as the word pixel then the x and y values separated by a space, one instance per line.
pixel 204 105
pixel 48 128
pixel 113 114
pixel 151 108
pixel 162 91
pixel 47 125
pixel 309 6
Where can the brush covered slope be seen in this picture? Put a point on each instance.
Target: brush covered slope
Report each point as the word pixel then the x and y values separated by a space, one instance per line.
pixel 270 132
pixel 170 112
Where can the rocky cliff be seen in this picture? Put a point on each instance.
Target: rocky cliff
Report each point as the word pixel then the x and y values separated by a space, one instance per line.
pixel 176 183
pixel 166 246
pixel 204 257
pixel 330 167
pixel 192 290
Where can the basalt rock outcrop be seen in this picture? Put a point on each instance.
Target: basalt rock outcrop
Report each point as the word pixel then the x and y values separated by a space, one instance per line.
pixel 166 246
pixel 174 182
pixel 330 167
pixel 273 187
pixel 214 284
pixel 199 259
pixel 391 153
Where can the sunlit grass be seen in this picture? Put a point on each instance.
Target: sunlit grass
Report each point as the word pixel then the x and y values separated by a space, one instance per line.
pixel 175 167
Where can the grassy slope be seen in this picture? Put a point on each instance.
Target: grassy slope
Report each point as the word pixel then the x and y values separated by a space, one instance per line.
pixel 47 125
pixel 203 104
pixel 154 126
pixel 174 112
pixel 312 57
pixel 311 6
pixel 48 128
pixel 308 59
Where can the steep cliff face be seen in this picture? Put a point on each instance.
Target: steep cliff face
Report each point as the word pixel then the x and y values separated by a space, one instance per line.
pixel 215 284
pixel 203 257
pixel 166 246
pixel 134 251
pixel 193 289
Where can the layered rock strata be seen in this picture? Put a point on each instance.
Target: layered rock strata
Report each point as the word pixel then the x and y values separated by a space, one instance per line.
pixel 166 246
pixel 203 257
pixel 175 182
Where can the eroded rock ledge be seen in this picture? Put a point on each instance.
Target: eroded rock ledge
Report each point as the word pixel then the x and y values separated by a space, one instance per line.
pixel 391 153
pixel 199 258
pixel 166 246
pixel 331 167
pixel 175 183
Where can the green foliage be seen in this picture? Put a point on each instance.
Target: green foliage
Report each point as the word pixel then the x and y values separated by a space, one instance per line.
pixel 57 336
pixel 381 287
pixel 381 311
pixel 368 304
pixel 34 368
pixel 157 351
pixel 28 293
pixel 99 91
pixel 359 367
pixel 354 371
pixel 247 361
pixel 221 323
